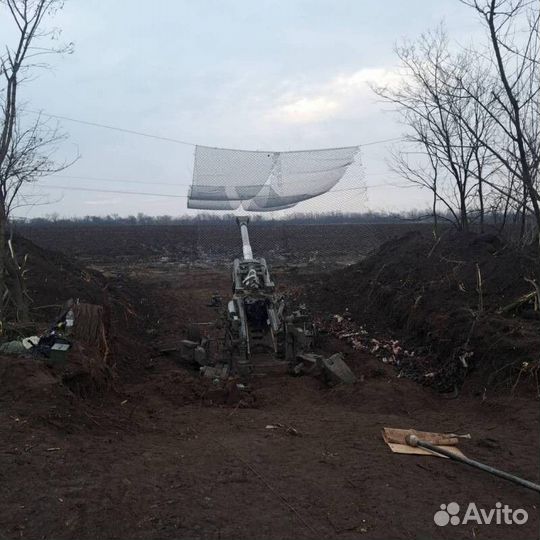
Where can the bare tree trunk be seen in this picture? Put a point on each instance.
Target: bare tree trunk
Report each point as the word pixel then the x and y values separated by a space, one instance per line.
pixel 13 295
pixel 3 286
pixel 481 202
pixel 464 218
pixel 480 172
pixel 505 214
pixel 17 287
pixel 435 217
pixel 17 292
pixel 523 216
pixel 515 117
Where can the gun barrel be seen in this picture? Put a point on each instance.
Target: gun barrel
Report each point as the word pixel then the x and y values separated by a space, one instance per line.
pixel 246 246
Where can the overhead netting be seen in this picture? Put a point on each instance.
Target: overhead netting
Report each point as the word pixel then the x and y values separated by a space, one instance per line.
pixel 264 181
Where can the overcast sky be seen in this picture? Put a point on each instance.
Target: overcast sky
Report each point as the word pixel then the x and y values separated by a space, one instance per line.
pixel 250 74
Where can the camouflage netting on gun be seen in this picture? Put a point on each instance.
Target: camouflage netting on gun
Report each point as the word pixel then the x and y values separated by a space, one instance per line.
pixel 262 181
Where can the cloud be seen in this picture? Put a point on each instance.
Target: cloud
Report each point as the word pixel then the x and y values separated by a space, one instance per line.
pixel 307 109
pixel 344 94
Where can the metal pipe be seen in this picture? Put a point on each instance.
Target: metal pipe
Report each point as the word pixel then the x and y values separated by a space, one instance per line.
pixel 413 440
pixel 246 246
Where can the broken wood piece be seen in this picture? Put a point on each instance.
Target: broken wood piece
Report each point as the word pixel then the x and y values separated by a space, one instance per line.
pixel 513 305
pixel 395 438
pixel 398 436
pixel 537 289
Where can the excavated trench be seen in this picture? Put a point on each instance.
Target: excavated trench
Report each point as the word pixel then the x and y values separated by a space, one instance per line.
pixel 160 452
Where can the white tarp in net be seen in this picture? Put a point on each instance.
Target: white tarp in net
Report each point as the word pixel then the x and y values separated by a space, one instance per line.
pixel 264 181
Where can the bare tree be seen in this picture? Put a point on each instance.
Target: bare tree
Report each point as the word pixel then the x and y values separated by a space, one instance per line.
pixel 27 145
pixel 513 100
pixel 451 161
pixel 424 175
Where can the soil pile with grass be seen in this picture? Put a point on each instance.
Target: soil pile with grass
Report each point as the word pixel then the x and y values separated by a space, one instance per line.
pixel 465 303
pixel 107 339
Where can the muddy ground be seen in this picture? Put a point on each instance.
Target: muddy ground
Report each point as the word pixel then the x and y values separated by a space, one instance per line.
pixel 161 453
pixel 324 244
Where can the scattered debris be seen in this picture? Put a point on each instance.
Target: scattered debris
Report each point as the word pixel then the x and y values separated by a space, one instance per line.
pixel 288 429
pixel 13 347
pixel 344 328
pixel 337 370
pixel 195 352
pixel 52 347
pixel 216 301
pixel 30 342
pixel 334 368
pixel 215 372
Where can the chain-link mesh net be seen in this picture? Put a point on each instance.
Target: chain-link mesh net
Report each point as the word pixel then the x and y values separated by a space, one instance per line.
pixel 262 181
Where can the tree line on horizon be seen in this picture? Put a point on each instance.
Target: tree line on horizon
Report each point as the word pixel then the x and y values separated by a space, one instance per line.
pixel 495 220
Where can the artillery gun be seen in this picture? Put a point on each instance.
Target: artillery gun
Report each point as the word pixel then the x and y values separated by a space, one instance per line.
pixel 257 320
pixel 260 332
pixel 260 324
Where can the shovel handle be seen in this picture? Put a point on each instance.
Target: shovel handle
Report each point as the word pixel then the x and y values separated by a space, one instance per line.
pixel 413 440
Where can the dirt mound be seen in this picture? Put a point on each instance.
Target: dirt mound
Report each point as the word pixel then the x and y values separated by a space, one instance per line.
pixel 21 376
pixel 35 395
pixel 51 278
pixel 446 299
pixel 105 336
